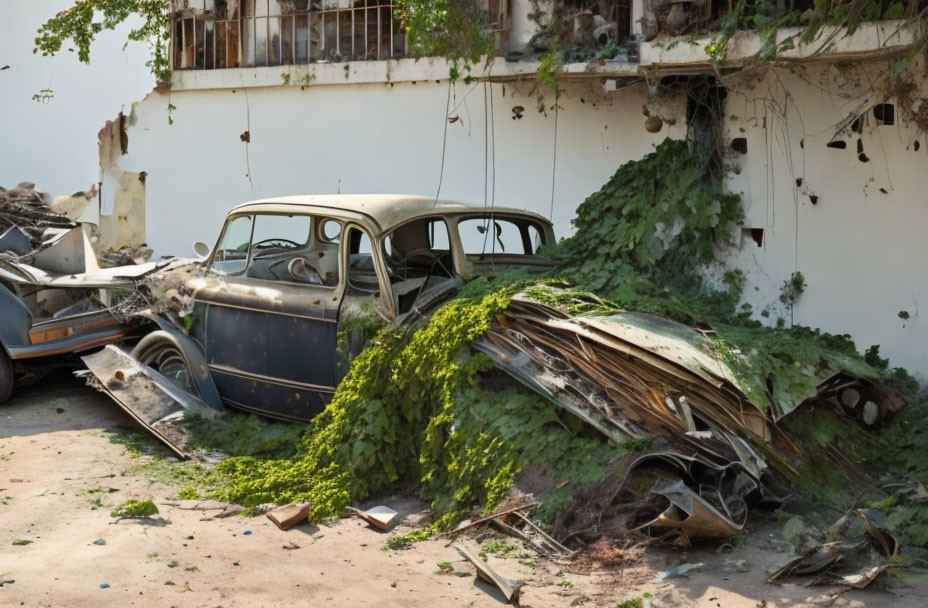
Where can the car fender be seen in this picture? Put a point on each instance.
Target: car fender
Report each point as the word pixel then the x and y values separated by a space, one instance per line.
pixel 192 352
pixel 15 321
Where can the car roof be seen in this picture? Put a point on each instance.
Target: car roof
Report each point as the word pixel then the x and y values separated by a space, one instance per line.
pixel 387 210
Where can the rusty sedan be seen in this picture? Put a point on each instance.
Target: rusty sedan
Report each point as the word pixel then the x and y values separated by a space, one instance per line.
pixel 291 282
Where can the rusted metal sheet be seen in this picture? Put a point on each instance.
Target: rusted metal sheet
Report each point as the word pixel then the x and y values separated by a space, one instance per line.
pixel 144 394
pixel 642 378
pixel 846 561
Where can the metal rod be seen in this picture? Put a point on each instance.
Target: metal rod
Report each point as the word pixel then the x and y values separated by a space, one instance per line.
pixel 183 44
pixel 173 43
pixel 215 43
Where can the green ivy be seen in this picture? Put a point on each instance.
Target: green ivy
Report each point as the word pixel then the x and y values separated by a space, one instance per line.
pixel 650 230
pixel 369 437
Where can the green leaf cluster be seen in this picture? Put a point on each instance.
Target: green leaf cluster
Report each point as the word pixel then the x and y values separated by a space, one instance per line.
pixel 455 29
pixel 651 228
pixel 368 439
pixel 135 507
pixel 86 19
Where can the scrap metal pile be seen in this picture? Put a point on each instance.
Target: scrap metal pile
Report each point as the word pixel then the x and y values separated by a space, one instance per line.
pixel 25 214
pixel 715 453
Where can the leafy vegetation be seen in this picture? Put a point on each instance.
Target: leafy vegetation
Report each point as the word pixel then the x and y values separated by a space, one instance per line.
pixel 645 237
pixel 80 25
pixel 455 29
pixel 135 507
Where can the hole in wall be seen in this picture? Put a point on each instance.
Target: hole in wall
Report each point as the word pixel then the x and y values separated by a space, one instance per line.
pixel 838 144
pixel 740 144
pixel 860 152
pixel 754 234
pixel 799 182
pixel 813 198
pixel 885 113
pixel 916 145
pixel 858 124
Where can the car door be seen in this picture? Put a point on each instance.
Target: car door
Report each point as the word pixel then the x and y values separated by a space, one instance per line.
pixel 269 311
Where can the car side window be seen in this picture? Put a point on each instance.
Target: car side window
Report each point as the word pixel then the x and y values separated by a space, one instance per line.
pixel 487 236
pixel 231 255
pixel 285 248
pixel 362 270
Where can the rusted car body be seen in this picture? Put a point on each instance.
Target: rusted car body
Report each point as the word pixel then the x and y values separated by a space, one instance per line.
pixel 56 300
pixel 281 300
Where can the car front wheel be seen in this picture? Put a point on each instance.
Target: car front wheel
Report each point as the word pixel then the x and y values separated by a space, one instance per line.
pixel 160 354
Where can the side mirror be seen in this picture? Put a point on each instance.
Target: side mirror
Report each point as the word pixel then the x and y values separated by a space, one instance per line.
pixel 201 249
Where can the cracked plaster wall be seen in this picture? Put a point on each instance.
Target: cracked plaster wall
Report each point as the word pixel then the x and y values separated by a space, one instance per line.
pixel 853 225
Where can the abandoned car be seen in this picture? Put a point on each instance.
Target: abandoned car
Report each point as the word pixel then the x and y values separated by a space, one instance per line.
pixel 56 300
pixel 290 282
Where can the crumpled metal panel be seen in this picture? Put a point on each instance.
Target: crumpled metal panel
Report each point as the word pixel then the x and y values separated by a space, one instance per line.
pixel 146 395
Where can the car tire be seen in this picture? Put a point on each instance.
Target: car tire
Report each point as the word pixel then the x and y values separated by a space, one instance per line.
pixel 160 353
pixel 6 376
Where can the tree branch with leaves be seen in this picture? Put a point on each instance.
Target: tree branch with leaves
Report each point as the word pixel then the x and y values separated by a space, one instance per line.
pixel 80 25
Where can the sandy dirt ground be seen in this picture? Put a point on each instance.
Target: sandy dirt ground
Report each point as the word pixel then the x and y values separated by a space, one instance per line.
pixel 55 451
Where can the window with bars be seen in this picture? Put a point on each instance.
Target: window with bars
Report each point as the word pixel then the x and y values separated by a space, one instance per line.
pixel 217 34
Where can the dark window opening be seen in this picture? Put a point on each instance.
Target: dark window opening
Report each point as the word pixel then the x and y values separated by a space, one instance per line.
pixel 858 125
pixel 740 144
pixel 838 144
pixel 755 234
pixel 885 113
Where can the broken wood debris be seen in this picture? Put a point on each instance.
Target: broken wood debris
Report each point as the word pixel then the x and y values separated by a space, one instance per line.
pixel 464 525
pixel 287 516
pixel 510 588
pixel 380 516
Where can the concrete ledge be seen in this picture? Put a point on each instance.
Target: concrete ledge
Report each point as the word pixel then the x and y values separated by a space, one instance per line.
pixel 670 55
pixel 378 72
pixel 874 39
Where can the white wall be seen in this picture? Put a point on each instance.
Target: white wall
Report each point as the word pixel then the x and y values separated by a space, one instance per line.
pixel 862 245
pixel 859 248
pixel 54 144
pixel 376 138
